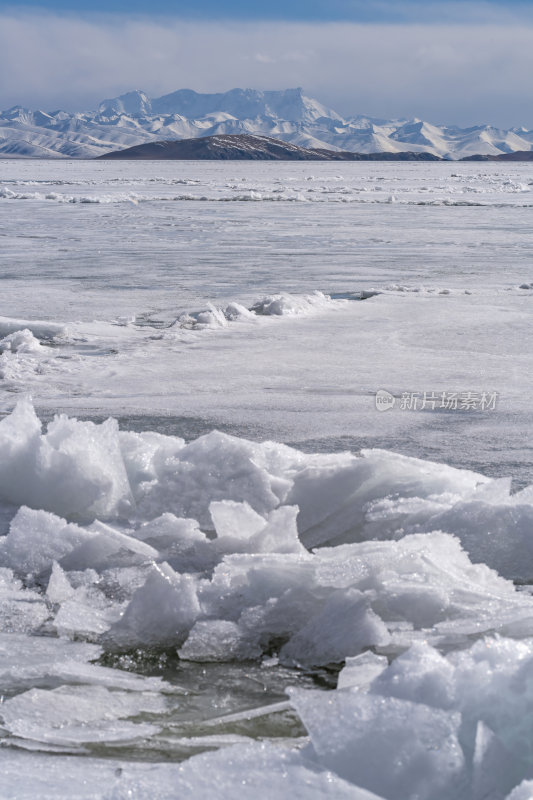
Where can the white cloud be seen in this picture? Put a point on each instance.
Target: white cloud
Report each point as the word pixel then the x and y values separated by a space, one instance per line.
pixel 456 73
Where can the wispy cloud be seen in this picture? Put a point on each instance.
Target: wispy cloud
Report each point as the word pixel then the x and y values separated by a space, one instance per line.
pixel 458 73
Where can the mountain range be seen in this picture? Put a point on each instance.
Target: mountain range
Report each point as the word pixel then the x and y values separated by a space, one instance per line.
pixel 134 119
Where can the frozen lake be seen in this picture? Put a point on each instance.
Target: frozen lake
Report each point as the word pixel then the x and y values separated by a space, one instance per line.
pixel 159 582
pixel 85 242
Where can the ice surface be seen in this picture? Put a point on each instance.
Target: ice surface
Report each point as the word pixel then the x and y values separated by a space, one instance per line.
pixel 48 662
pixel 263 771
pixel 79 714
pixel 280 378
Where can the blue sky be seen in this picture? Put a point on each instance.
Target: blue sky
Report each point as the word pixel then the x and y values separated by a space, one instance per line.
pixel 395 11
pixel 462 63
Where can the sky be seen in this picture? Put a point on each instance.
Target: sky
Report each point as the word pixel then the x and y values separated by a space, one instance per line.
pixel 458 62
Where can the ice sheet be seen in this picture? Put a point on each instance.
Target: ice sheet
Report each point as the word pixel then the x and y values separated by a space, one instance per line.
pixel 218 568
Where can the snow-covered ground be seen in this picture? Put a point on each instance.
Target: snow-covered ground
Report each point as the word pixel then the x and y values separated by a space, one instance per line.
pixel 181 584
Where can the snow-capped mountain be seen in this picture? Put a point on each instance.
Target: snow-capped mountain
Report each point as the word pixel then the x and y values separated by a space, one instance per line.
pixel 134 118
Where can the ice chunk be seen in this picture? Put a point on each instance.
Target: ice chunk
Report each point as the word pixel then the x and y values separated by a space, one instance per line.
pixel 264 772
pixel 283 304
pixel 420 674
pixel 392 747
pixel 37 538
pixel 495 770
pixel 169 531
pixel 218 640
pixel 88 613
pixel 19 437
pixel 280 534
pixel 213 467
pixel 493 530
pixel 235 311
pixel 256 580
pixel 490 682
pixel 21 610
pixel 210 317
pixel 75 470
pixel 145 453
pixel 386 496
pixel 179 541
pixel 345 626
pixel 235 520
pixel 160 613
pixel 361 670
pixel 25 659
pixel 59 588
pixel 83 469
pixel 84 609
pixel 20 342
pixel 334 500
pixel 494 683
pixel 240 529
pixel 427 580
pixel 108 548
pixel 219 317
pixel 291 304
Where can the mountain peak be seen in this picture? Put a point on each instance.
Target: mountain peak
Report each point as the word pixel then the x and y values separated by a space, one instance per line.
pixel 134 104
pixel 287 104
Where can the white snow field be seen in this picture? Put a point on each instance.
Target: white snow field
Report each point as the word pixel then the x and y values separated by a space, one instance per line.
pixel 229 568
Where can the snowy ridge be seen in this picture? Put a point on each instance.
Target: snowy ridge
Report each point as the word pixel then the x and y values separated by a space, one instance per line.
pixel 134 118
pixel 278 305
